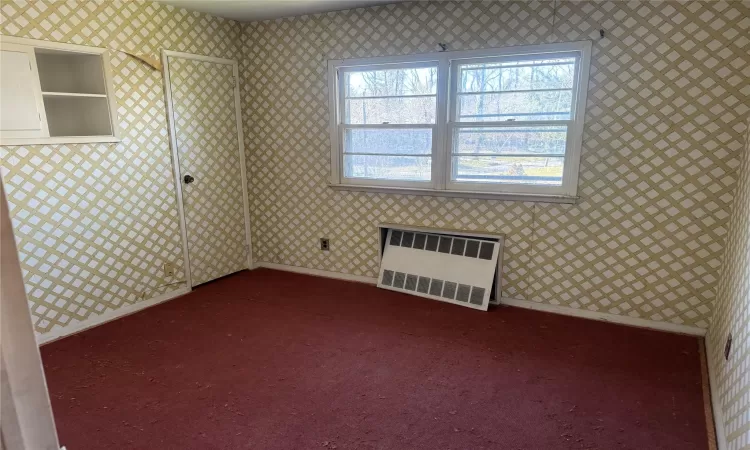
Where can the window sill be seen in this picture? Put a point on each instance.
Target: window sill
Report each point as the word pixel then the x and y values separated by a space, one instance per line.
pixel 544 198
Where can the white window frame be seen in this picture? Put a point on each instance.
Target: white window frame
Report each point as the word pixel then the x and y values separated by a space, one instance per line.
pixel 441 183
pixel 341 127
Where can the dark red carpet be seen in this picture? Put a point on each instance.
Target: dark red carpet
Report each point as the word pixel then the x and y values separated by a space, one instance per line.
pixel 274 360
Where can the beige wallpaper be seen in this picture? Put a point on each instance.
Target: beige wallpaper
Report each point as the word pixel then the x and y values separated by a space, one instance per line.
pixel 95 223
pixel 732 315
pixel 664 128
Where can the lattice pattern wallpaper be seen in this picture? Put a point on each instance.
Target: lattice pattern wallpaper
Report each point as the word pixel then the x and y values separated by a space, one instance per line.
pixel 664 127
pixel 732 377
pixel 96 222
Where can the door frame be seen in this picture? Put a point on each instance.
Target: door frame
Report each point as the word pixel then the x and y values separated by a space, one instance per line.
pixel 165 55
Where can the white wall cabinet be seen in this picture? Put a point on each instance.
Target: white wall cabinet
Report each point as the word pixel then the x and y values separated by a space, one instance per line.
pixel 53 93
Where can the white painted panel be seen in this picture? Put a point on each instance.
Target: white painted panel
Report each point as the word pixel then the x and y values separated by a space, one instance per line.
pixel 18 101
pixel 26 420
pixel 449 270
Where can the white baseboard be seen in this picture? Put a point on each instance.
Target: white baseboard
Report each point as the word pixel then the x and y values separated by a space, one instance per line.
pixel 713 380
pixel 318 272
pixel 605 317
pixel 108 316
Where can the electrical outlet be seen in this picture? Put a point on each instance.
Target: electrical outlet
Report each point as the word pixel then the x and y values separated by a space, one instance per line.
pixel 325 244
pixel 728 347
pixel 168 269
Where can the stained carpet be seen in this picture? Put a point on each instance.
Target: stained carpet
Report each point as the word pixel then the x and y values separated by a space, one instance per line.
pixel 274 360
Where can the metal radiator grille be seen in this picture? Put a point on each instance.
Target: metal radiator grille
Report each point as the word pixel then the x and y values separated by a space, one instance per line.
pixel 446 289
pixel 446 267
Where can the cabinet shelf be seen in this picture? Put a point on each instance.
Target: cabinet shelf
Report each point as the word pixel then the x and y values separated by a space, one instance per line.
pixel 72 94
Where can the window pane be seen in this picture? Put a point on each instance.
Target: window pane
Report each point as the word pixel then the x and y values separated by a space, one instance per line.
pixel 399 110
pixel 551 73
pixel 391 82
pixel 542 140
pixel 507 169
pixel 405 141
pixel 404 168
pixel 545 105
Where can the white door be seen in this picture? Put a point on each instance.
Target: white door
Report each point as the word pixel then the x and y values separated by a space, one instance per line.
pixel 207 144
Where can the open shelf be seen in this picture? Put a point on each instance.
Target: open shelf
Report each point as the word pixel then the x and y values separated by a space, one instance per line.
pixel 77 116
pixel 63 71
pixel 74 93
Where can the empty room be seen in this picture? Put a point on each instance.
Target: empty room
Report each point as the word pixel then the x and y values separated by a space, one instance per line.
pixel 375 224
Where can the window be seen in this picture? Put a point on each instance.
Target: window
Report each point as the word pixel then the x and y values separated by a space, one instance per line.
pixel 389 122
pixel 503 121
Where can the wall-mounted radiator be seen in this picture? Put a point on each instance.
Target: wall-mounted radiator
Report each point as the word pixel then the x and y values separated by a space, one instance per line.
pixel 452 266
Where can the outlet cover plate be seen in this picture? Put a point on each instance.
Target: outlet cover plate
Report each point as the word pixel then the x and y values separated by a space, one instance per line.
pixel 168 269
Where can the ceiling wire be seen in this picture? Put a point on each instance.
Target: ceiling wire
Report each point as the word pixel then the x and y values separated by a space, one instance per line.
pixel 554 15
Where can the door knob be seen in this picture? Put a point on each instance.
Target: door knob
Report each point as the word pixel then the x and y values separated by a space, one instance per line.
pixel 188 179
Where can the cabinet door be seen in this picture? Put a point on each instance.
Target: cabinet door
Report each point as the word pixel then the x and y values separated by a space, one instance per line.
pixel 21 106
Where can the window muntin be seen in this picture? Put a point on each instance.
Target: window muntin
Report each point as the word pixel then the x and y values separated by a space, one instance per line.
pixel 388 154
pixel 382 167
pixel 535 140
pixel 537 89
pixel 509 169
pixel 510 155
pixel 390 96
pixel 505 120
pixel 391 110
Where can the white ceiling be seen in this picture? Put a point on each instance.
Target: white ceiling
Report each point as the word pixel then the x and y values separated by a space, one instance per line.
pixel 249 10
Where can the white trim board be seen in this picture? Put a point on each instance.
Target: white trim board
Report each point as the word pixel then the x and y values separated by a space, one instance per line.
pixel 316 272
pixel 605 317
pixel 108 316
pixel 544 198
pixel 713 379
pixel 563 310
pixel 27 420
pixel 176 167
